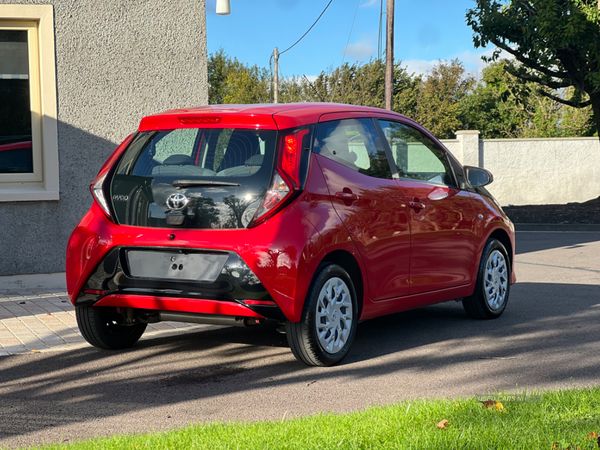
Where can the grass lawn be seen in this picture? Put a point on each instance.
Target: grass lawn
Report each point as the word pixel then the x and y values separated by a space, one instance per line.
pixel 565 419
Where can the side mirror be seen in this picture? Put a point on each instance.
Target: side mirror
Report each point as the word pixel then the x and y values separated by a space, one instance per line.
pixel 477 176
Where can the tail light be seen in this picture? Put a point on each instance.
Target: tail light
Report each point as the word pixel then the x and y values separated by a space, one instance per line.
pixel 97 189
pixel 276 194
pixel 286 182
pixel 97 186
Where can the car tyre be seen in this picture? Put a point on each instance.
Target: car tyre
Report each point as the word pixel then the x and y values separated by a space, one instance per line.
pixel 329 319
pixel 102 327
pixel 492 288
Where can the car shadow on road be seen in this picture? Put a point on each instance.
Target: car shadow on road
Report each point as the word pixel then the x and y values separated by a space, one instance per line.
pixel 543 323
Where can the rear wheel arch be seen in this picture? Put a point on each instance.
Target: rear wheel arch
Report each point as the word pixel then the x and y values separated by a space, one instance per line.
pixel 348 262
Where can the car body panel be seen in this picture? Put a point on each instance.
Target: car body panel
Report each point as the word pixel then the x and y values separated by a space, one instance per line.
pixel 378 224
pixel 177 304
pixel 443 242
pixel 405 257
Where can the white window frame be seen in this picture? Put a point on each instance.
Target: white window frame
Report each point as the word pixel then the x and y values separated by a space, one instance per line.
pixel 43 183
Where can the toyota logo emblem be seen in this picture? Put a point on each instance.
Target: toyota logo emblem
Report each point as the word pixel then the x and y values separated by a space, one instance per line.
pixel 176 202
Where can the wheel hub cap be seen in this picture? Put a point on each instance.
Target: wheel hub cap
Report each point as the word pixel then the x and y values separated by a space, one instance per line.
pixel 496 280
pixel 334 315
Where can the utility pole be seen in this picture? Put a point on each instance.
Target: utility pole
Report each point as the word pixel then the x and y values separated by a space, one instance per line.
pixel 276 77
pixel 389 57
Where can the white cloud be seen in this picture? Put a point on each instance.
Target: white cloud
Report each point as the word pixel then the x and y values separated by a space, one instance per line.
pixel 312 78
pixel 418 66
pixel 368 3
pixel 471 60
pixel 362 49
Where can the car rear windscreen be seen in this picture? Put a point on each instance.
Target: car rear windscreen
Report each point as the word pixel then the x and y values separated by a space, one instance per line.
pixel 193 177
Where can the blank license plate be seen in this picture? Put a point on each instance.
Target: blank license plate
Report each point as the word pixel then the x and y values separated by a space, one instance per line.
pixel 176 266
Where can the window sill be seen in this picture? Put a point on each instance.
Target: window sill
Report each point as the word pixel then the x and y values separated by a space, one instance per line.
pixel 27 194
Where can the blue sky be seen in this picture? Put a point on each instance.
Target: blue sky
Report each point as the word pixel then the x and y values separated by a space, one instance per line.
pixel 425 31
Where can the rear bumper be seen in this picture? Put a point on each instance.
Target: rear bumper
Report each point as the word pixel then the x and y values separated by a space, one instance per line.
pixel 236 291
pixel 283 253
pixel 177 304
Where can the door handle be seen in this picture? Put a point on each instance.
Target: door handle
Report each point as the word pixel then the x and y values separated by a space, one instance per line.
pixel 416 205
pixel 346 196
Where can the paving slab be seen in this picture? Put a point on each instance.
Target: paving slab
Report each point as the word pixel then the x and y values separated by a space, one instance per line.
pixel 43 320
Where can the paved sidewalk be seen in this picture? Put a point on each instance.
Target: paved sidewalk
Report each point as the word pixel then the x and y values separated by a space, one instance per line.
pixel 41 320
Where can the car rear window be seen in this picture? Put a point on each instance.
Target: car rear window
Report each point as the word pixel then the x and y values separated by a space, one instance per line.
pixel 224 152
pixel 220 175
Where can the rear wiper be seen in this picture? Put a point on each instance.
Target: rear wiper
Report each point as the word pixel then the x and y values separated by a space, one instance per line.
pixel 192 183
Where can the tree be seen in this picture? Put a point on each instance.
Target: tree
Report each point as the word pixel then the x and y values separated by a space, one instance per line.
pixel 247 85
pixel 502 106
pixel 556 42
pixel 220 66
pixel 295 89
pixel 438 98
pixel 493 108
pixel 364 85
pixel 230 81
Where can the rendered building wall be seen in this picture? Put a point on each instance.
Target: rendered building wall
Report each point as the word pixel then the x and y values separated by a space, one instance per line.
pixel 116 61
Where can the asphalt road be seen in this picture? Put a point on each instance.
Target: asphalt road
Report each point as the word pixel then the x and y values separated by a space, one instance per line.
pixel 547 338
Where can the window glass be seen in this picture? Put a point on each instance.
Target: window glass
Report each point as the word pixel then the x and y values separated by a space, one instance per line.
pixel 16 154
pixel 416 155
pixel 223 172
pixel 197 152
pixel 28 125
pixel 177 142
pixel 355 144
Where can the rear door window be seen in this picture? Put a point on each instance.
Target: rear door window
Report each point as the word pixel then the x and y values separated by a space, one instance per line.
pixel 355 144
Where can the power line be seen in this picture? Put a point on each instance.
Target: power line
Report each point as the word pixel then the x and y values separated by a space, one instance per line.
pixel 345 49
pixel 350 35
pixel 311 27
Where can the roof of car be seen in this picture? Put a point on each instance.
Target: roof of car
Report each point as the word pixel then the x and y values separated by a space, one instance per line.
pixel 266 115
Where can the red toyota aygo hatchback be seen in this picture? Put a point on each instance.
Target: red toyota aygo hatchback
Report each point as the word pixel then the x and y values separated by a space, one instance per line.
pixel 315 215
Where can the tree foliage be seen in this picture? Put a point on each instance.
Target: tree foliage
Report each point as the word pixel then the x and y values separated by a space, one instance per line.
pixel 439 97
pixel 230 81
pixel 502 106
pixel 445 100
pixel 555 42
pixel 365 85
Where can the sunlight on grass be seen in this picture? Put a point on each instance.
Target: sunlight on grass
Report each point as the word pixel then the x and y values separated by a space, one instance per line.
pixel 550 420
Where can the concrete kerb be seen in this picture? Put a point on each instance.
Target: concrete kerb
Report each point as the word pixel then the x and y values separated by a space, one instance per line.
pixel 566 227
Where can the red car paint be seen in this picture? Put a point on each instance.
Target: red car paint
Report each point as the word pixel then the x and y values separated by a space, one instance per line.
pixel 414 243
